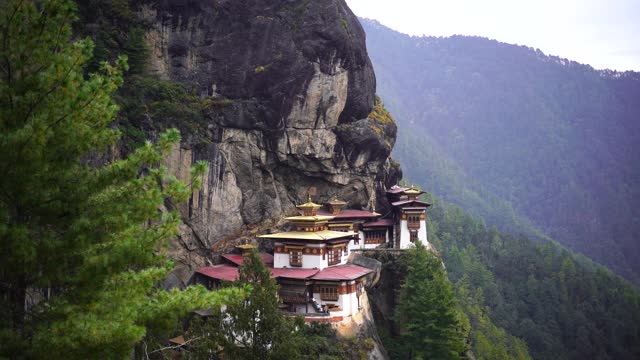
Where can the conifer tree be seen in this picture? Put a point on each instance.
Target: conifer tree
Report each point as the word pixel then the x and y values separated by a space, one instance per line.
pixel 427 311
pixel 79 265
pixel 254 328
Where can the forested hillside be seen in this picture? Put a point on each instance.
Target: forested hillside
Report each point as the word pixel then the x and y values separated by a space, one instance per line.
pixel 530 142
pixel 563 306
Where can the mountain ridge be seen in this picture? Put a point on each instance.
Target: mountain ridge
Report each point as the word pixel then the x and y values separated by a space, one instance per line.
pixel 530 142
pixel 376 24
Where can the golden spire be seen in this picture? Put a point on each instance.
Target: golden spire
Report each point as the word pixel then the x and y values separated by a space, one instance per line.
pixel 412 191
pixel 309 208
pixel 335 206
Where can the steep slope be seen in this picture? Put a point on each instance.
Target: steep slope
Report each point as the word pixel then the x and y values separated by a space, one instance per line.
pixel 274 95
pixel 563 306
pixel 532 143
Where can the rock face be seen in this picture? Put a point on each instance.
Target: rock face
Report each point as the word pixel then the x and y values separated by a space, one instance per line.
pixel 290 87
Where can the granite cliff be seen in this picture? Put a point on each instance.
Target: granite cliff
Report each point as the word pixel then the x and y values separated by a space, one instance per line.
pixel 287 88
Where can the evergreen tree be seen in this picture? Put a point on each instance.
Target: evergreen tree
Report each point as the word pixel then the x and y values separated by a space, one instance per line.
pixel 80 258
pixel 427 311
pixel 253 328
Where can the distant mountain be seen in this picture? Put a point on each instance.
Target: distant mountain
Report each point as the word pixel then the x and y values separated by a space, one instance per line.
pixel 530 142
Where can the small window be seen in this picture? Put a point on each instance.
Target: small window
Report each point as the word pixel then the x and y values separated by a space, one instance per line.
pixel 329 293
pixel 334 255
pixel 413 221
pixel 413 236
pixel 295 257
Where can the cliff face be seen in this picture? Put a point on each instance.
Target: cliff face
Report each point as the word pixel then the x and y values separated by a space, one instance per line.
pixel 290 87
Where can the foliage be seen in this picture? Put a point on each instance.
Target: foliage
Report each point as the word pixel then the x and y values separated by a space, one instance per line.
pixel 253 328
pixel 563 306
pixel 256 329
pixel 80 243
pixel 379 113
pixel 488 341
pixel 155 105
pixel 530 142
pixel 320 341
pixel 136 50
pixel 427 311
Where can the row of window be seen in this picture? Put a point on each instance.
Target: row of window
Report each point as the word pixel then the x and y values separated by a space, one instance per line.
pixel 329 293
pixel 334 256
pixel 413 221
pixel 375 236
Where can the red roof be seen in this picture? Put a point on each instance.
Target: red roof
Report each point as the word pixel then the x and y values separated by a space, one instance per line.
pixel 267 259
pixel 396 189
pixel 380 222
pixel 404 202
pixel 350 213
pixel 342 272
pixel 293 273
pixel 220 272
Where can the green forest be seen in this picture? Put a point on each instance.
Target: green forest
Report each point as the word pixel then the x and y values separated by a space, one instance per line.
pixel 562 305
pixel 531 143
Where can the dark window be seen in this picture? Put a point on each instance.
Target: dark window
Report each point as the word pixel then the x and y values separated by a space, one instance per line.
pixel 295 257
pixel 329 293
pixel 413 221
pixel 413 236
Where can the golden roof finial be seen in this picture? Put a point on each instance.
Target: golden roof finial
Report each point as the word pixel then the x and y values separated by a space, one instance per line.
pixel 309 197
pixel 412 191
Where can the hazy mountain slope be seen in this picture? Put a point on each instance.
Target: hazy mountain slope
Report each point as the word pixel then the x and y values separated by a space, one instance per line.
pixel 525 140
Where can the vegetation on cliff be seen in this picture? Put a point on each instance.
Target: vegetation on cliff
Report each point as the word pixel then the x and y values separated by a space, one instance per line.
pixel 417 313
pixel 80 240
pixel 427 313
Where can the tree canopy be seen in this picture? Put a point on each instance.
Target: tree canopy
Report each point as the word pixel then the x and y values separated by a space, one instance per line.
pixel 81 230
pixel 427 311
pixel 562 305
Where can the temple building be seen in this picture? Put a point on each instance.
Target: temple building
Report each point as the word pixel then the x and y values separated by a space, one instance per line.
pixel 310 261
pixel 409 216
pixel 370 231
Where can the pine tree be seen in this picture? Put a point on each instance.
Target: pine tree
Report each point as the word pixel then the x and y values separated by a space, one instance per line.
pixel 253 328
pixel 79 243
pixel 262 330
pixel 427 311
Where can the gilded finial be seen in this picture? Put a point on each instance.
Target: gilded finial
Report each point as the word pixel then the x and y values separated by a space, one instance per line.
pixel 308 197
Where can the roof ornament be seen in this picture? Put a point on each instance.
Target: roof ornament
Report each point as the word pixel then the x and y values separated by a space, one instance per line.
pixel 335 206
pixel 309 208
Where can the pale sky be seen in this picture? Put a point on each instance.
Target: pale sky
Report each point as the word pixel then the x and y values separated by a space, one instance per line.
pixel 603 34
